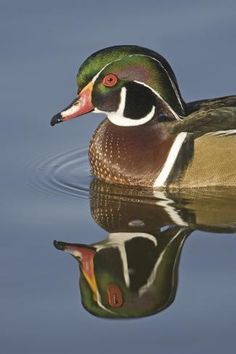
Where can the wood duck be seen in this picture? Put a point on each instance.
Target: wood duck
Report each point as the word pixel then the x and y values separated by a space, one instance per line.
pixel 151 137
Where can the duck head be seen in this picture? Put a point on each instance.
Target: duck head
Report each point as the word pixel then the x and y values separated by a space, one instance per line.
pixel 130 84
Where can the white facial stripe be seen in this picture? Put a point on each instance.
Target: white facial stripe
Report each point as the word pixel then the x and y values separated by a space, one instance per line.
pixel 157 94
pixel 127 122
pixel 118 117
pixel 121 107
pixel 171 158
pixel 144 55
pixel 96 76
pixel 172 83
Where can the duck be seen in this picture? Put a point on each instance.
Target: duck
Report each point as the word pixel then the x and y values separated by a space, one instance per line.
pixel 150 137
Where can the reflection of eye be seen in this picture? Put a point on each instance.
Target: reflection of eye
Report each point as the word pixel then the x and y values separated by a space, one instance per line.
pixel 114 296
pixel 110 80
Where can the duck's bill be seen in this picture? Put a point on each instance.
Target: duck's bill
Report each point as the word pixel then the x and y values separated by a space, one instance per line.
pixel 81 105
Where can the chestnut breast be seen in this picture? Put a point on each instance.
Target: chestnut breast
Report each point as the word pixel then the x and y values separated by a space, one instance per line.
pixel 128 155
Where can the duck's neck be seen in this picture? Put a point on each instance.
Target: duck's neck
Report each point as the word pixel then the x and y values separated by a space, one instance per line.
pixel 129 155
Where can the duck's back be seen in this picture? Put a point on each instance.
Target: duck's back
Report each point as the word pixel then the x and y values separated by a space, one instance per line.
pixel 215 103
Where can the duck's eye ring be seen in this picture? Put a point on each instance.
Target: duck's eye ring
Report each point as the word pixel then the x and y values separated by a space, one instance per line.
pixel 110 80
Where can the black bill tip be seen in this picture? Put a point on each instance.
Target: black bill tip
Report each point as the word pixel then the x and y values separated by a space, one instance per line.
pixel 59 245
pixel 56 119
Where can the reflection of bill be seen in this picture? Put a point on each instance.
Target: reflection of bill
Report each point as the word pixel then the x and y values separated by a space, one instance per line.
pixel 133 272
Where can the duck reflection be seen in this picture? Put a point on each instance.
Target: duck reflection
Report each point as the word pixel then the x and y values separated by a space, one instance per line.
pixel 134 271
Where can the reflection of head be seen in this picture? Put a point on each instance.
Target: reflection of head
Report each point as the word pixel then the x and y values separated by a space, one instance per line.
pixel 136 275
pixel 130 274
pixel 133 272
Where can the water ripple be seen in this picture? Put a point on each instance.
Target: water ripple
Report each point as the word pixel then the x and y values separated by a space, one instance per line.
pixel 69 173
pixel 66 173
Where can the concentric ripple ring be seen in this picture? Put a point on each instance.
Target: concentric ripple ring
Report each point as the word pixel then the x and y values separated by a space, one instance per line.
pixel 66 173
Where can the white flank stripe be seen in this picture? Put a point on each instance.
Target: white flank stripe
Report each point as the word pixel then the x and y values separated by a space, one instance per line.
pixel 171 158
pixel 223 132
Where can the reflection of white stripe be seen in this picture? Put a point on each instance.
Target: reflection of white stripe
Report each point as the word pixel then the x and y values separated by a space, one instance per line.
pixel 152 276
pixel 171 158
pixel 117 240
pixel 171 210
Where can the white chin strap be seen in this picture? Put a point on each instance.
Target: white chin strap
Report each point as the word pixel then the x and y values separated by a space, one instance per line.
pixel 127 122
pixel 118 117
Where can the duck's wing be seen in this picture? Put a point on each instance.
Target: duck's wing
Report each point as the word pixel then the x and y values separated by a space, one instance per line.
pixel 227 101
pixel 207 120
pixel 213 163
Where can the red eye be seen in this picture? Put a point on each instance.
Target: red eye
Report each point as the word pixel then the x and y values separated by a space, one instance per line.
pixel 110 80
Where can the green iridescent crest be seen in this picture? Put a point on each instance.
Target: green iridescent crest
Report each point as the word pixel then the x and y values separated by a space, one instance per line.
pixel 132 63
pixel 147 70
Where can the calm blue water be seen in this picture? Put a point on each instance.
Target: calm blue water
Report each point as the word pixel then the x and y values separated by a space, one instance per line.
pixel 42 45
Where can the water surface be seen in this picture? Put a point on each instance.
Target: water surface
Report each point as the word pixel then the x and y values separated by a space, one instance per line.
pixel 46 193
pixel 132 270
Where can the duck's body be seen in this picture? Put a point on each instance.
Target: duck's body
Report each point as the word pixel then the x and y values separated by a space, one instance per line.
pixel 136 156
pixel 151 137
